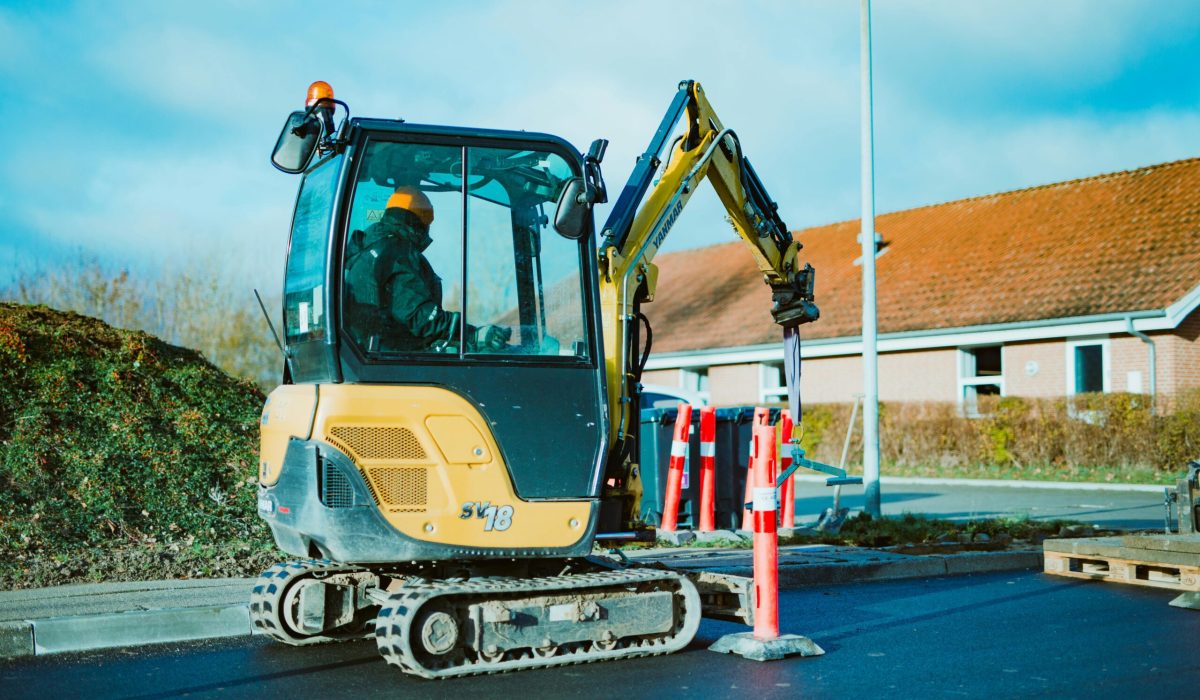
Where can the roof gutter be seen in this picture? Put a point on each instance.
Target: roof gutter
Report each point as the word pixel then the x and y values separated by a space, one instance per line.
pixel 1153 361
pixel 927 339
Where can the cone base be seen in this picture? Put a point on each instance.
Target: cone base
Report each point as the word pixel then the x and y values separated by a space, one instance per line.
pixel 744 644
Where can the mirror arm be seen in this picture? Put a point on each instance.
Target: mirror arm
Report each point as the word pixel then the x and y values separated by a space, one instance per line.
pixel 334 138
pixel 595 191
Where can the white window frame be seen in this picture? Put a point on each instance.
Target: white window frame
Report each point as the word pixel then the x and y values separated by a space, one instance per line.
pixel 1105 361
pixel 967 378
pixel 770 390
pixel 689 378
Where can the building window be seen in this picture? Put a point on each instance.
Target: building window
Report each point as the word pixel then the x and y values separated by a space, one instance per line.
pixel 981 373
pixel 696 380
pixel 772 382
pixel 1088 367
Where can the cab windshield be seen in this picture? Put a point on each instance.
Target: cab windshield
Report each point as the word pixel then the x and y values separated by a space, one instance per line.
pixel 449 251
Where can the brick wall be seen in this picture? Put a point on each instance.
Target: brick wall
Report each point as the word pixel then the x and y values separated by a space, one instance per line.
pixel 927 375
pixel 733 385
pixel 831 379
pixel 932 375
pixel 1179 356
pixel 665 377
pixel 1047 362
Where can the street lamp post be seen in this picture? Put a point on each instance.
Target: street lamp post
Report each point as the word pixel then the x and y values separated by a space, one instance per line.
pixel 869 330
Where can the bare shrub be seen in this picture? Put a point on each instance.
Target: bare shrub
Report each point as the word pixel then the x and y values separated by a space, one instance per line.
pixel 1090 436
pixel 203 303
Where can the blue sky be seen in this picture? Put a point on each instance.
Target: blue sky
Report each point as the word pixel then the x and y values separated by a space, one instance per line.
pixel 139 131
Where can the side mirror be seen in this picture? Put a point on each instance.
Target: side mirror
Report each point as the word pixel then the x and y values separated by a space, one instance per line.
pixel 296 142
pixel 570 216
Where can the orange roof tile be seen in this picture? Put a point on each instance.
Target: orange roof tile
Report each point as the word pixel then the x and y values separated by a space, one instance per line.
pixel 1112 243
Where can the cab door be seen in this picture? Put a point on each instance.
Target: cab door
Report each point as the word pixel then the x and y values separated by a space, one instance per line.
pixel 494 261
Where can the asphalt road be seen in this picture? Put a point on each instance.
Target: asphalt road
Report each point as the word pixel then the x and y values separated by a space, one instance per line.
pixel 995 635
pixel 1110 509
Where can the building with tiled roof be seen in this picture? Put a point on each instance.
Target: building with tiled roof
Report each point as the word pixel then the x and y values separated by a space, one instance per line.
pixel 1047 291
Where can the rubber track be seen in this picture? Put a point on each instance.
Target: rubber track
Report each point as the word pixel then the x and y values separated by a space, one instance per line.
pixel 270 589
pixel 393 635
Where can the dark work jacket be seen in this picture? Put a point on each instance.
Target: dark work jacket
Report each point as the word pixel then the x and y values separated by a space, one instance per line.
pixel 394 298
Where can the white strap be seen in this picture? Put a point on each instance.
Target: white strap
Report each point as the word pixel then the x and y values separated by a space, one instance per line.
pixel 764 499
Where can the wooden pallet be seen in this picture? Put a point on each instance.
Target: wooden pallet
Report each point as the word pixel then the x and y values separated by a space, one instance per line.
pixel 1109 559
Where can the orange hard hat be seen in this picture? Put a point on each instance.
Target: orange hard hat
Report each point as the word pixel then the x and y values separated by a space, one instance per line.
pixel 413 200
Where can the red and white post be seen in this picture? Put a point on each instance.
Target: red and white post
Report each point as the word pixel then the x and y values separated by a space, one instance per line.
pixel 708 468
pixel 766 545
pixel 787 492
pixel 765 643
pixel 679 447
pixel 762 416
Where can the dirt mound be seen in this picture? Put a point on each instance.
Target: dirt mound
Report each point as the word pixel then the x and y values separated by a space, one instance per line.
pixel 111 437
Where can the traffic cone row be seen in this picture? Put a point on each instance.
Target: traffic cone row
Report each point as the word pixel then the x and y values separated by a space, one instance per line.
pixel 786 516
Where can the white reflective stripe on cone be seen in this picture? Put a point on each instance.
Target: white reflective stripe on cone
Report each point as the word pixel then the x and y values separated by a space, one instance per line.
pixel 679 449
pixel 708 449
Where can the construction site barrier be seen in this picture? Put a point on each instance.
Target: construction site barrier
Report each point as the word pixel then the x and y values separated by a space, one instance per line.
pixel 734 428
pixel 679 450
pixel 787 492
pixel 708 468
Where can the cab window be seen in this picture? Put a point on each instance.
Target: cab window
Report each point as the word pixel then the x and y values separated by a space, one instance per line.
pixel 521 274
pixel 449 251
pixel 402 265
pixel 304 280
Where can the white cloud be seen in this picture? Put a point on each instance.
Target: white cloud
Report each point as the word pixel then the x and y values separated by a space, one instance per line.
pixel 924 158
pixel 784 75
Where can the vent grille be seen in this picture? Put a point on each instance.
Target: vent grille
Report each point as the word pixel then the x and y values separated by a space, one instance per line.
pixel 377 443
pixel 336 491
pixel 400 489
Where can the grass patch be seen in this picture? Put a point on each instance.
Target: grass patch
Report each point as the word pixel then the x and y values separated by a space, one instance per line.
pixel 140 562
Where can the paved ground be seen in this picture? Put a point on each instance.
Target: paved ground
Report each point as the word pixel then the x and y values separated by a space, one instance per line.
pixel 92 616
pixel 989 635
pixel 71 618
pixel 1112 509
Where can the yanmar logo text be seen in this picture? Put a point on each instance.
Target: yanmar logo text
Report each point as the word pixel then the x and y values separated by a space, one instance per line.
pixel 668 223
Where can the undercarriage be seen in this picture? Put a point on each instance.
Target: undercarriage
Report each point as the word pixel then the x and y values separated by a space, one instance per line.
pixel 441 621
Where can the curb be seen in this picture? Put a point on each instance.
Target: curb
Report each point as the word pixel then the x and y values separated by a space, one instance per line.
pixel 57 635
pixel 1003 483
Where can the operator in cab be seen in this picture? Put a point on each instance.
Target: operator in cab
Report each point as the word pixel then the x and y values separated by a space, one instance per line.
pixel 394 298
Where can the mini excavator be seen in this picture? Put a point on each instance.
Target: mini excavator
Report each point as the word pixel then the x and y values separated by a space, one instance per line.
pixel 443 494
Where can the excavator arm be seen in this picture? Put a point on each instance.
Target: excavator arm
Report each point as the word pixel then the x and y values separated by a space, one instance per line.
pixel 639 223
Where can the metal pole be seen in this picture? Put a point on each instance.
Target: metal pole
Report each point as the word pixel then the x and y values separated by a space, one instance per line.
pixel 869 330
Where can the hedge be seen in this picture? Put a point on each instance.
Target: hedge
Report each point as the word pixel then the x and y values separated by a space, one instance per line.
pixel 1089 437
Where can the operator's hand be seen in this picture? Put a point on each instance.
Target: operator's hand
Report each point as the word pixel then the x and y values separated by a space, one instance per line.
pixel 492 338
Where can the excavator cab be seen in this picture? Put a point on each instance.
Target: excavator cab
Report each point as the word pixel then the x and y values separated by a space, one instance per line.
pixel 441 373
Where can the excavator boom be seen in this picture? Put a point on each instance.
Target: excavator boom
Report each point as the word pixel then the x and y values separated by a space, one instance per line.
pixel 644 215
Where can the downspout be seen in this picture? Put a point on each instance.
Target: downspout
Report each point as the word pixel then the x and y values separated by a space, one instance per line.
pixel 1153 361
